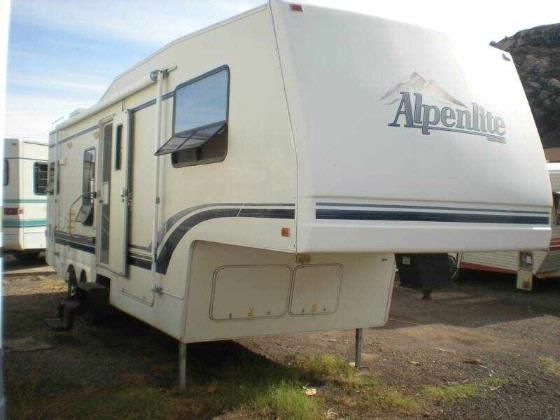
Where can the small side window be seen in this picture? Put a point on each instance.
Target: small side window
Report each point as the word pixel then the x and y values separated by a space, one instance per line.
pixel 118 148
pixel 85 215
pixel 6 172
pixel 40 178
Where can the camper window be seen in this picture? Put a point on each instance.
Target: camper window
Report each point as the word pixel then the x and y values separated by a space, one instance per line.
pixel 85 215
pixel 118 148
pixel 40 178
pixel 556 208
pixel 199 118
pixel 50 179
pixel 6 172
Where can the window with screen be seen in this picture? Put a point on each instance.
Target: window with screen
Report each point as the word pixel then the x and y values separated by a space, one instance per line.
pixel 40 178
pixel 6 172
pixel 85 215
pixel 50 179
pixel 200 115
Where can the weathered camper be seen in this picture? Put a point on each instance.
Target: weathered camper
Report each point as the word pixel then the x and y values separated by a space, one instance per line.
pixel 25 198
pixel 257 177
pixel 527 265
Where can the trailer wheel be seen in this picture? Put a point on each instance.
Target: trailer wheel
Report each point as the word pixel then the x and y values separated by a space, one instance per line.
pixel 454 270
pixel 72 281
pixel 89 315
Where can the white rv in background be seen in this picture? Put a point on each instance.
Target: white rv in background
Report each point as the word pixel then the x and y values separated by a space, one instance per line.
pixel 25 197
pixel 526 265
pixel 258 176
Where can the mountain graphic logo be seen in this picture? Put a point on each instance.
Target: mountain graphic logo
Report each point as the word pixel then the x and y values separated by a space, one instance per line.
pixel 417 84
pixel 424 104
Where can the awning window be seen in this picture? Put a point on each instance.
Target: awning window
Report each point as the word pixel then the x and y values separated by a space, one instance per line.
pixel 191 139
pixel 200 111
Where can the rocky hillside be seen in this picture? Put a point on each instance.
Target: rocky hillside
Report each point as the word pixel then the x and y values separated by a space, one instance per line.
pixel 536 53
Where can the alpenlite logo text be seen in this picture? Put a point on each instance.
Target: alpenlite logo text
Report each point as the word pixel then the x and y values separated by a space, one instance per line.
pixel 427 106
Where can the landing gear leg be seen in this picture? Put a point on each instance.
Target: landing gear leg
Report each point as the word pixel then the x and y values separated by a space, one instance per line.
pixel 358 349
pixel 182 366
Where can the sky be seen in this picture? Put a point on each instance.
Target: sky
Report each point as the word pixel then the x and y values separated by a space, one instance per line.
pixel 63 54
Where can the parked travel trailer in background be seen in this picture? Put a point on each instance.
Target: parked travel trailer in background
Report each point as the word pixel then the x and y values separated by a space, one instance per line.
pixel 25 198
pixel 258 176
pixel 527 265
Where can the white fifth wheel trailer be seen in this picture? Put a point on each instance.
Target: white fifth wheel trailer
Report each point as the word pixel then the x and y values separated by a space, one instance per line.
pixel 527 265
pixel 256 177
pixel 25 202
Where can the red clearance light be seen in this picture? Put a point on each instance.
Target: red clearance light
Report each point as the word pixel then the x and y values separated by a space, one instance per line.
pixel 13 211
pixel 296 7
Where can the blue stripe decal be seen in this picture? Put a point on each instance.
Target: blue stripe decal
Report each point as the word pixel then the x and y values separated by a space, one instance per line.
pixel 87 244
pixel 10 223
pixel 80 242
pixel 138 261
pixel 426 216
pixel 400 206
pixel 164 256
pixel 171 221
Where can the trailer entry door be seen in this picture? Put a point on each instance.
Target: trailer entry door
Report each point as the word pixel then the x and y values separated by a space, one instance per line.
pixel 114 197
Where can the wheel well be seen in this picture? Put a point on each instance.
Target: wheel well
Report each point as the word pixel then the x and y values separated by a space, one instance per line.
pixel 71 272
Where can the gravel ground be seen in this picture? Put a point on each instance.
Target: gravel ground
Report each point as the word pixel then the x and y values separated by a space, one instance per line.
pixel 482 330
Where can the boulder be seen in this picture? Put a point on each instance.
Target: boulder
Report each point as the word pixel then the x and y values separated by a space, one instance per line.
pixel 536 54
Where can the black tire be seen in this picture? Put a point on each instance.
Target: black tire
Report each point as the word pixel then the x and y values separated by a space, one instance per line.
pixel 72 281
pixel 454 270
pixel 90 316
pixel 426 294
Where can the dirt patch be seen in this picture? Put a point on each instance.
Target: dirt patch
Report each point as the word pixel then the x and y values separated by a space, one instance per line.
pixel 482 350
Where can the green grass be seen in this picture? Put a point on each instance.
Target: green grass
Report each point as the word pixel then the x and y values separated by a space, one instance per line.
pixel 231 380
pixel 130 402
pixel 325 367
pixel 382 397
pixel 21 397
pixel 550 365
pixel 287 401
pixel 355 389
pixel 450 394
pixel 124 402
